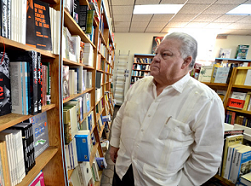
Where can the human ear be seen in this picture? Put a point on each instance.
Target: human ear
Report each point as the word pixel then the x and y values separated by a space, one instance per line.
pixel 186 62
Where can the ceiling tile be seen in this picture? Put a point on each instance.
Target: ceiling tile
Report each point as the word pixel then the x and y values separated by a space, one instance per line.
pixel 207 2
pixel 190 8
pixel 153 30
pixel 217 25
pixel 196 24
pixel 122 2
pixel 219 9
pixel 122 9
pixel 137 29
pixel 121 24
pixel 207 17
pixel 145 2
pixel 246 19
pixel 162 17
pixel 140 17
pixel 122 17
pixel 176 24
pixel 156 24
pixel 237 2
pixel 239 26
pixel 121 29
pixel 229 18
pixel 139 24
pixel 183 17
pixel 173 1
pixel 240 32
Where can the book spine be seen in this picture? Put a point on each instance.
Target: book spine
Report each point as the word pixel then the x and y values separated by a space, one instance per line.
pixel 83 17
pixel 4 18
pixel 8 18
pixel 39 83
pixel 48 94
pixel 34 83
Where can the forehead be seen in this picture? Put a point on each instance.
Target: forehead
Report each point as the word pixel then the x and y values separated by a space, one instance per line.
pixel 170 44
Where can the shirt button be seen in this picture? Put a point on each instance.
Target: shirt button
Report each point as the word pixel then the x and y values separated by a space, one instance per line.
pixel 149 115
pixel 142 130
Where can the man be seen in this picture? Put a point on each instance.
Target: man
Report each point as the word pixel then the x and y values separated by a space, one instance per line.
pixel 169 130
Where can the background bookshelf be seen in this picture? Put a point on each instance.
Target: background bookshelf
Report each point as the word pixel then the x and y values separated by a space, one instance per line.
pixel 141 66
pixel 52 161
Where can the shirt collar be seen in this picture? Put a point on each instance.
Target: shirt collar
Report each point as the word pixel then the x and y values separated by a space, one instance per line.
pixel 178 86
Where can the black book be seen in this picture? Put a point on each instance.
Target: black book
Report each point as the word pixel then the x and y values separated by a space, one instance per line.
pixel 38 26
pixel 83 17
pixel 28 147
pixel 31 58
pixel 98 79
pixel 39 73
pixel 5 90
pixel 75 12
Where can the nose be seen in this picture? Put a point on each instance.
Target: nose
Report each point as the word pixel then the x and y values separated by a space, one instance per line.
pixel 156 58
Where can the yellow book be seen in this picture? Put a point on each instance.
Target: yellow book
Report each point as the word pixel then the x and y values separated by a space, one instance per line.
pixel 240 77
pixel 246 101
pixel 5 165
pixel 215 67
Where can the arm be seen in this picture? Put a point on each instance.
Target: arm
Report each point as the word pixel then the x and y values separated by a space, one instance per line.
pixel 206 154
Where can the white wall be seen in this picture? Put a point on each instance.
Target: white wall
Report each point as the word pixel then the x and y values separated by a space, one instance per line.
pixel 142 42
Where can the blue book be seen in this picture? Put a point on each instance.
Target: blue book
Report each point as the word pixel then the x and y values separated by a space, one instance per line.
pixel 83 145
pixel 101 162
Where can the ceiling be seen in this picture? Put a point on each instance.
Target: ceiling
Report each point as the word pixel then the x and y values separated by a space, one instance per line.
pixel 195 14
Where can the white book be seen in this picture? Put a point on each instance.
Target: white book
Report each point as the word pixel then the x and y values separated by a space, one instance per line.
pixel 74 153
pixel 23 22
pixel 85 79
pixel 248 78
pixel 86 171
pixel 222 75
pixel 71 81
pixel 75 82
pixel 76 41
pixel 18 151
pixel 205 73
pixel 51 13
pixel 67 157
pixel 95 170
pixel 16 82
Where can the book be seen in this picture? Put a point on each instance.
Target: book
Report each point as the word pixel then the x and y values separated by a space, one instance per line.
pixel 4 161
pixel 40 132
pixel 38 180
pixel 83 145
pixel 248 78
pixel 75 11
pixel 221 75
pixel 237 100
pixel 214 71
pixel 90 18
pixel 230 140
pixel 247 99
pixel 39 83
pixel 83 17
pixel 66 89
pixel 241 52
pixel 4 21
pixel 85 172
pixel 242 164
pixel 225 53
pixel 28 147
pixel 38 24
pixel 5 87
pixel 101 162
pixel 246 179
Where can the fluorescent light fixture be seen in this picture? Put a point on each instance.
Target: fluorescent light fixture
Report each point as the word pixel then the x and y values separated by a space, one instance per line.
pixel 157 9
pixel 243 9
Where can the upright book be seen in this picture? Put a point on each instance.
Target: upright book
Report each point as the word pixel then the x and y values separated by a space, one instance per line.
pixel 83 145
pixel 5 90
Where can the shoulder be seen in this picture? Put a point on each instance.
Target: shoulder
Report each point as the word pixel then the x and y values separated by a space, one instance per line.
pixel 203 90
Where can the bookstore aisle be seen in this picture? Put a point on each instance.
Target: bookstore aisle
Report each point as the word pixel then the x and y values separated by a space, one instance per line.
pixel 107 175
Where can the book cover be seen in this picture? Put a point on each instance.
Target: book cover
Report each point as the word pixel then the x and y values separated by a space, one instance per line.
pixel 38 24
pixel 101 162
pixel 246 179
pixel 75 12
pixel 242 51
pixel 248 78
pixel 38 180
pixel 225 53
pixel 205 73
pixel 222 75
pixel 5 87
pixel 237 100
pixel 83 145
pixel 40 132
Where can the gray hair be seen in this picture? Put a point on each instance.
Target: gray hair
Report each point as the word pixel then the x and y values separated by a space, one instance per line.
pixel 188 47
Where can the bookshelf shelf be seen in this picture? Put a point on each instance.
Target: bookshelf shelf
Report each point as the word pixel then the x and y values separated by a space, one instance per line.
pixel 13 45
pixel 73 63
pixel 75 29
pixel 41 161
pixel 224 180
pixel 85 115
pixel 77 95
pixel 234 60
pixel 70 173
pixel 240 111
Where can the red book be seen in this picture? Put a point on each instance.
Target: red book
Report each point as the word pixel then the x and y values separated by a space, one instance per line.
pixel 236 103
pixel 39 180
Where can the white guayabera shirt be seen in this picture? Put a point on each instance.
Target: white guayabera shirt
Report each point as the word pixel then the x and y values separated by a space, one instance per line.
pixel 172 139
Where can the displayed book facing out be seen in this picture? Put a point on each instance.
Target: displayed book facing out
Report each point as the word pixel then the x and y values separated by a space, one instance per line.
pixel 205 73
pixel 245 179
pixel 242 51
pixel 83 145
pixel 221 75
pixel 237 100
pixel 248 78
pixel 40 132
pixel 38 180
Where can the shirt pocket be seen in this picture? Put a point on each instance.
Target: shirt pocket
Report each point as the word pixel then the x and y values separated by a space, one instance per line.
pixel 177 133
